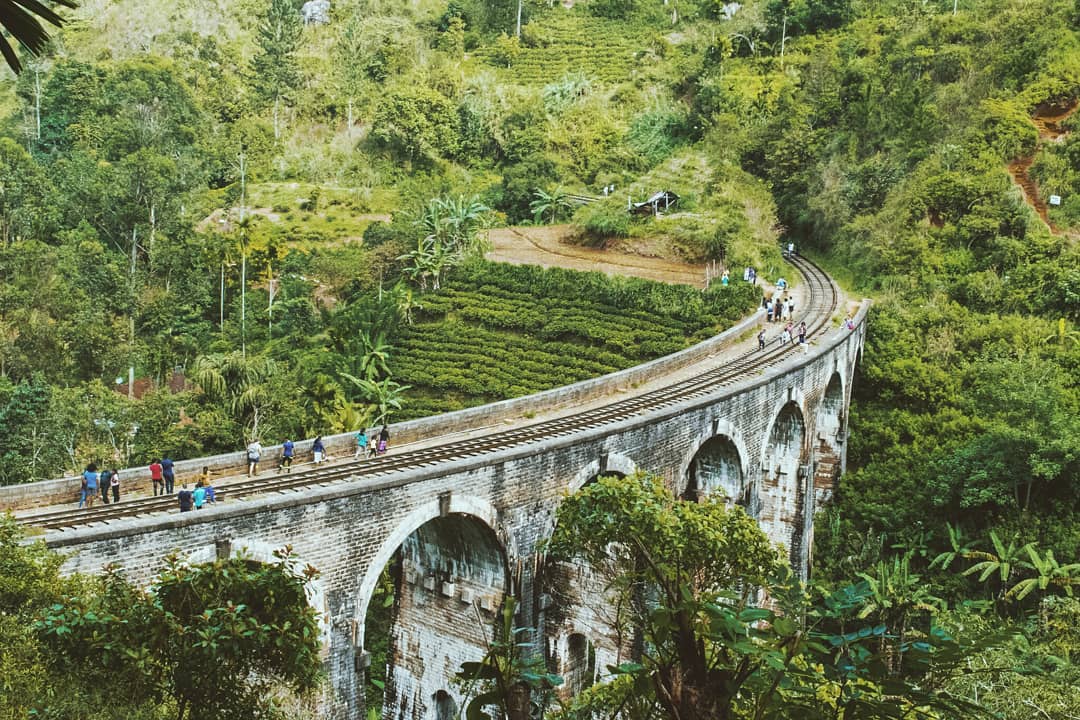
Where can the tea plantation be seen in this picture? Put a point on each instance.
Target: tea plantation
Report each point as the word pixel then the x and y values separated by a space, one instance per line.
pixel 497 331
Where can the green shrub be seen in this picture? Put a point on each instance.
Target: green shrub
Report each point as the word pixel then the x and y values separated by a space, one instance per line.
pixel 604 220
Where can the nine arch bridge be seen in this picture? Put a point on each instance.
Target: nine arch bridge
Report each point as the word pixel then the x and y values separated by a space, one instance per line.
pixel 460 522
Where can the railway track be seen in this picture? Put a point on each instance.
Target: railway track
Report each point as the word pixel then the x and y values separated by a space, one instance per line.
pixel 820 304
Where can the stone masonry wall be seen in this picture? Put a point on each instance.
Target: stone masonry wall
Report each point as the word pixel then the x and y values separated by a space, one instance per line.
pixel 351 530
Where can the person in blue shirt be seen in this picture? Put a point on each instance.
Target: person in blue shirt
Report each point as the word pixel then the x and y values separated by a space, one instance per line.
pixel 318 450
pixel 185 498
pixel 287 452
pixel 168 474
pixel 89 486
pixel 361 444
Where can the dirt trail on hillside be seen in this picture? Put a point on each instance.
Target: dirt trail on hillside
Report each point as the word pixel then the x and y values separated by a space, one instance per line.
pixel 1047 119
pixel 547 246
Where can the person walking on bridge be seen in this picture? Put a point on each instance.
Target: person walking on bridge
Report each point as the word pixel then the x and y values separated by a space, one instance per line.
pixel 155 477
pixel 384 439
pixel 318 450
pixel 114 483
pixel 89 486
pixel 168 474
pixel 288 449
pixel 254 453
pixel 361 444
pixel 105 480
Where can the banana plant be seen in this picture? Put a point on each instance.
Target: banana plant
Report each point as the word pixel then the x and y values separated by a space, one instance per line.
pixel 1005 562
pixel 385 396
pixel 1048 573
pixel 960 548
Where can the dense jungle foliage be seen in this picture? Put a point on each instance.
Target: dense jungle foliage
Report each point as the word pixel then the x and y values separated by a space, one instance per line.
pixel 219 188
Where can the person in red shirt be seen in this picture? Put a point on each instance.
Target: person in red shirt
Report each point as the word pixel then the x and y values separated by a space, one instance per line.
pixel 155 475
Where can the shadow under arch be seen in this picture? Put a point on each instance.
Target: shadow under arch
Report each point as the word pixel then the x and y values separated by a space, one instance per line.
pixel 608 464
pixel 576 636
pixel 784 484
pixel 445 584
pixel 827 454
pixel 477 507
pixel 718 462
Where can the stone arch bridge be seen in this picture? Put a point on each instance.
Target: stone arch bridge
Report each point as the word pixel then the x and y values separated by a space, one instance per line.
pixel 462 529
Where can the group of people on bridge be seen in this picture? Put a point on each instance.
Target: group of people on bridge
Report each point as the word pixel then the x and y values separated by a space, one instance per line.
pixel 107 481
pixel 367 446
pixel 163 471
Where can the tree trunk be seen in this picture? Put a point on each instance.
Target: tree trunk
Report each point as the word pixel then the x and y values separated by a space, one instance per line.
pixel 131 313
pixel 243 301
pixel 517 702
pixel 37 101
pixel 270 306
pixel 349 117
pixel 221 303
pixel 153 233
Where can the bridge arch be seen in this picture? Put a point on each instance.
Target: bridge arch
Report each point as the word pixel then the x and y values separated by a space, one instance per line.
pixel 609 463
pixel 447 573
pixel 471 505
pixel 784 486
pixel 828 425
pixel 718 460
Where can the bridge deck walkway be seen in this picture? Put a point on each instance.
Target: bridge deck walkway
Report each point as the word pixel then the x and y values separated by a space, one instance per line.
pixel 729 352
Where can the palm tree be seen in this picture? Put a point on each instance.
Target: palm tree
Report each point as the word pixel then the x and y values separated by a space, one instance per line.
pixel 452 230
pixel 20 19
pixel 240 382
pixel 406 303
pixel 374 354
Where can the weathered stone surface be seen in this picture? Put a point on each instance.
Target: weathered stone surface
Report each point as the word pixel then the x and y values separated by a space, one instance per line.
pixel 316 12
pixel 470 529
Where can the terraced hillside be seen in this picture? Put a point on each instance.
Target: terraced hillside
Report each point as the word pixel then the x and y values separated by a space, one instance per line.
pixel 499 331
pixel 572 42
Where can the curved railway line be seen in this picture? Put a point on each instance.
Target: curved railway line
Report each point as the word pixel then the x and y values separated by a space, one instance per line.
pixel 820 304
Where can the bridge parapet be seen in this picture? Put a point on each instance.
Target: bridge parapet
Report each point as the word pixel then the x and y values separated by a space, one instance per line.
pixel 63 490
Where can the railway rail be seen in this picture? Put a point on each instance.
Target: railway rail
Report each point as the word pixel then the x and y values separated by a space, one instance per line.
pixel 819 306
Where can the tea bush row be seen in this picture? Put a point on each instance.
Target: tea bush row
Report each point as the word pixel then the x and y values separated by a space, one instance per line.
pixel 498 331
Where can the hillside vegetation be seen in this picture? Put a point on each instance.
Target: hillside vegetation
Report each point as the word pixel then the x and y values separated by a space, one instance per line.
pixel 205 184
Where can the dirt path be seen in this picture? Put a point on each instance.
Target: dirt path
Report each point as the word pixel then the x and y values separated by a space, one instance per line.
pixel 1047 119
pixel 546 246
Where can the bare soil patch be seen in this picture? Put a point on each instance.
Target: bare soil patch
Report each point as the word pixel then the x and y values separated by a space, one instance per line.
pixel 549 246
pixel 1047 119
